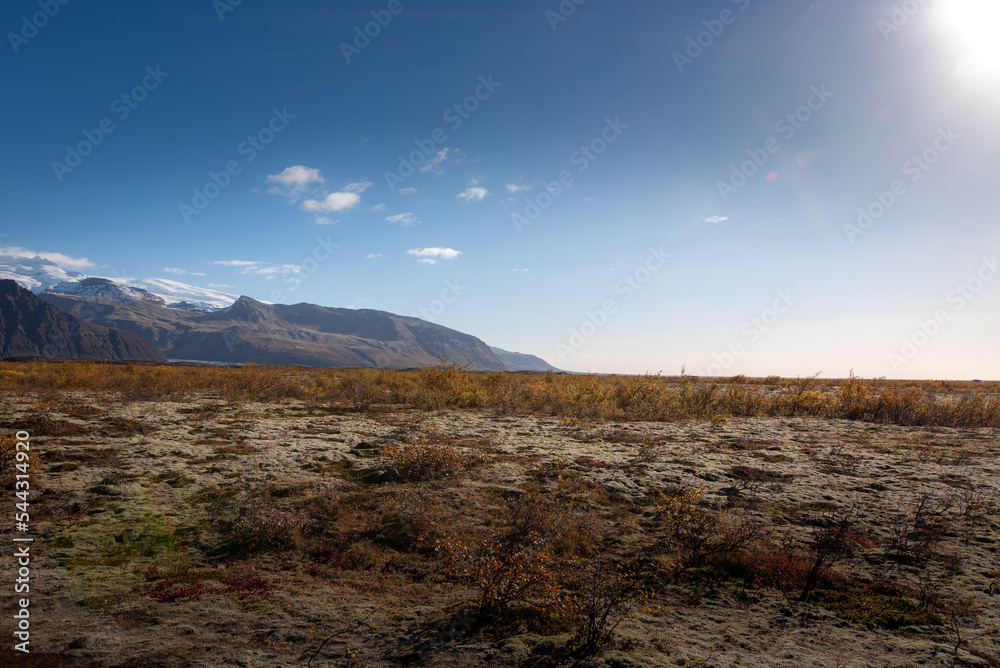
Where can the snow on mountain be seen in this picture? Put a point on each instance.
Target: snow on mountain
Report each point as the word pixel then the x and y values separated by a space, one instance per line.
pixel 105 291
pixel 38 274
pixel 35 274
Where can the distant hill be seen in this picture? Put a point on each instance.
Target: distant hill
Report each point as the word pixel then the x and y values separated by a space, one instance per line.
pixel 307 334
pixel 31 327
pixel 521 361
pixel 186 322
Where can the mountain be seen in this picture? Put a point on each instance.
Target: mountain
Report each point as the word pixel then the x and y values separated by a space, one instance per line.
pixel 33 274
pixel 39 275
pixel 30 327
pixel 521 361
pixel 191 323
pixel 307 334
pixel 104 291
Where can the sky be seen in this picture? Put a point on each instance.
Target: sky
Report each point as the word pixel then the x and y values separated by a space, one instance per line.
pixel 731 186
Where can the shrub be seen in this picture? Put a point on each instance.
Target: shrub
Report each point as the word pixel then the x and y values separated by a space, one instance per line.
pixel 257 530
pixel 15 461
pixel 700 535
pixel 427 461
pixel 602 596
pixel 504 572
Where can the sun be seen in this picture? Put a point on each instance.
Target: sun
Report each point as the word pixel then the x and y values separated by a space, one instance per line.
pixel 975 27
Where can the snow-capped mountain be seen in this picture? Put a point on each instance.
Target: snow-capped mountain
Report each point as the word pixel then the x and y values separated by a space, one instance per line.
pixel 39 275
pixel 35 274
pixel 174 294
pixel 104 291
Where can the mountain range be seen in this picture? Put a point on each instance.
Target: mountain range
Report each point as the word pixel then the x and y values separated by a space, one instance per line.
pixel 184 322
pixel 31 327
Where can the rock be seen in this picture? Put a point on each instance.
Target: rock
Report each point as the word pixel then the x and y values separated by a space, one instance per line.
pixel 512 494
pixel 82 642
pixel 378 476
pixel 364 445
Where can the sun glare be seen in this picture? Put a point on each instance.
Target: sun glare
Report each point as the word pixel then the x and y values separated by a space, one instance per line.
pixel 975 25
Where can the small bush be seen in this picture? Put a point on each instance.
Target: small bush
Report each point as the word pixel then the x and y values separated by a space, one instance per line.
pixel 257 530
pixel 601 597
pixel 504 572
pixel 427 461
pixel 15 461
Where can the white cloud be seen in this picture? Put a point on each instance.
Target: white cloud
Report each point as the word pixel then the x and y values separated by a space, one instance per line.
pixel 436 160
pixel 407 191
pixel 432 255
pixel 340 201
pixel 235 263
pixel 407 219
pixel 379 207
pixel 513 188
pixel 246 267
pixel 347 198
pixel 219 286
pixel 474 194
pixel 374 256
pixel 182 272
pixel 716 219
pixel 297 176
pixel 294 181
pixel 60 259
pixel 323 220
pixel 358 187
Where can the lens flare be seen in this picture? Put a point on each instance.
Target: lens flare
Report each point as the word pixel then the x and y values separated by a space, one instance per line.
pixel 974 25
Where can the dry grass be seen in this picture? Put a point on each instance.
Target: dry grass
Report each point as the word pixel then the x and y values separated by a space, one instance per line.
pixel 532 519
pixel 583 397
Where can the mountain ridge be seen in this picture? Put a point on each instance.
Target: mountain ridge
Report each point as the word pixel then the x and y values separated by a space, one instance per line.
pixel 31 327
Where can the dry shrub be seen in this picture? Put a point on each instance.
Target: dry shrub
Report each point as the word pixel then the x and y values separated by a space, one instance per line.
pixel 504 572
pixel 703 535
pixel 584 397
pixel 16 461
pixel 600 597
pixel 255 529
pixel 252 382
pixel 410 517
pixel 361 388
pixel 427 461
pixel 440 386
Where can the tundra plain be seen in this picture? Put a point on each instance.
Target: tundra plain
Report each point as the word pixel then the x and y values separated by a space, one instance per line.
pixel 189 515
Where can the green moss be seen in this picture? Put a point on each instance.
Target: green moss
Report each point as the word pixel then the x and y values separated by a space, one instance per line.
pixel 881 604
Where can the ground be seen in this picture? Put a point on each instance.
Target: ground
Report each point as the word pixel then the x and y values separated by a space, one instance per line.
pixel 206 532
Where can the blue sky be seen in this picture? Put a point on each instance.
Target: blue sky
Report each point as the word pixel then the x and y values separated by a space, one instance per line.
pixel 623 187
